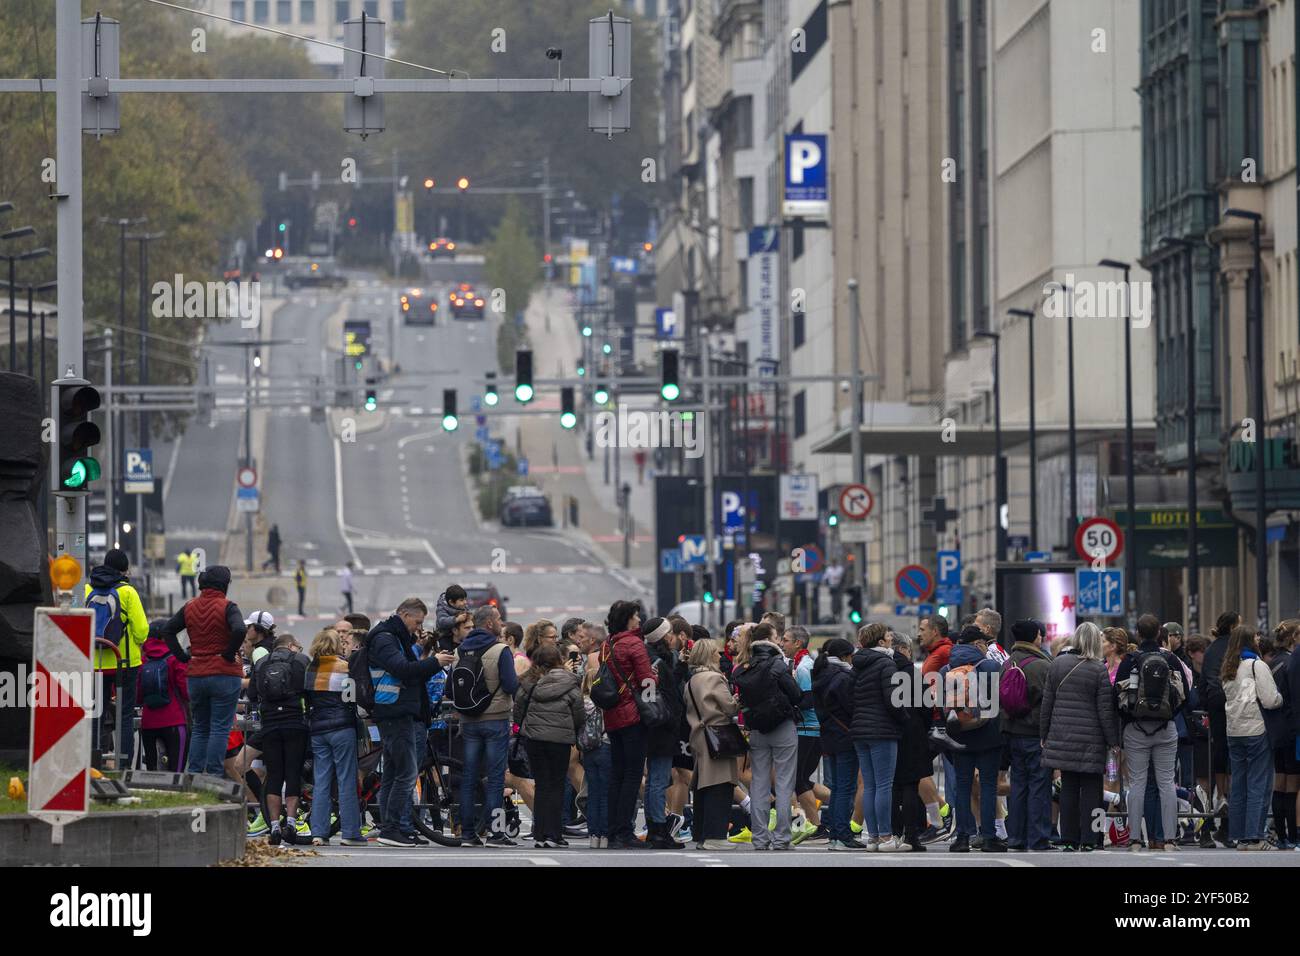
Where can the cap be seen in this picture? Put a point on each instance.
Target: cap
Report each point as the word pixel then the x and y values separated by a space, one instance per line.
pixel 262 619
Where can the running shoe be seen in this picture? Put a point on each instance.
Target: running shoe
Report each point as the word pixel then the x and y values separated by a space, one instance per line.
pixel 258 827
pixel 933 834
pixel 744 836
pixel 397 840
pixel 349 841
pixel 500 841
pixel 855 826
pixel 675 822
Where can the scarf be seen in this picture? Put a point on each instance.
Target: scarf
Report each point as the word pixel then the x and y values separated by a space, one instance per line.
pixel 802 653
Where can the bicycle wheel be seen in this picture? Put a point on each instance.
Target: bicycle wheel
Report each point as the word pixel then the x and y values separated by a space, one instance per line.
pixel 426 811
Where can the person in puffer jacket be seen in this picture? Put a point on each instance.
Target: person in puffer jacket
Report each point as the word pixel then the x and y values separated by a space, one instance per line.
pixel 630 665
pixel 832 677
pixel 332 721
pixel 983 743
pixel 769 696
pixel 163 724
pixel 548 708
pixel 877 727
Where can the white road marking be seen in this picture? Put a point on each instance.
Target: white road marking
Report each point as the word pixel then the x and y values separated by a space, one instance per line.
pixel 1014 863
pixel 543 861
pixel 338 501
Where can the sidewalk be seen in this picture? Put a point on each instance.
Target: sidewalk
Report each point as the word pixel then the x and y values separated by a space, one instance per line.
pixel 558 460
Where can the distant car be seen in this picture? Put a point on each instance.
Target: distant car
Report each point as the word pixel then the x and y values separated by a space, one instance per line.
pixel 418 307
pixel 316 276
pixel 466 303
pixel 477 595
pixel 693 612
pixel 442 248
pixel 525 511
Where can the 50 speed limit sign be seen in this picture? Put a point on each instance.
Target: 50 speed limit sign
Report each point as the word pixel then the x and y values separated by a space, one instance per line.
pixel 1099 539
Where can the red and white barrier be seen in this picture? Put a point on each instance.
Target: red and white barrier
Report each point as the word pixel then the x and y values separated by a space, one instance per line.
pixel 62 708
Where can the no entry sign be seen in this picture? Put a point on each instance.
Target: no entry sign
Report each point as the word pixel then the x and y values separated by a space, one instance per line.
pixel 63 700
pixel 914 583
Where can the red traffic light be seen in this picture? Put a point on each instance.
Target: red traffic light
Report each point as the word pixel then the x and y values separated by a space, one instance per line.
pixel 546 258
pixel 352 222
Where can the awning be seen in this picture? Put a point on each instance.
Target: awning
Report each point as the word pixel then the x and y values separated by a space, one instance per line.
pixel 969 440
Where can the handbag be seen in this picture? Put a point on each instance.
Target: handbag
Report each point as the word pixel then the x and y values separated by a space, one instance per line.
pixel 723 741
pixel 517 756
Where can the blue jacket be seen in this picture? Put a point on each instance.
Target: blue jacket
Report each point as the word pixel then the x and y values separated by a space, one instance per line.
pixel 397 672
pixel 988 737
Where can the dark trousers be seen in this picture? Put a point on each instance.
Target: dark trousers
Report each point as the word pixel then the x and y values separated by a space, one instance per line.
pixel 1029 809
pixel 627 752
pixel 347 596
pixel 550 764
pixel 172 741
pixel 712 812
pixel 302 594
pixel 189 582
pixel 987 763
pixel 284 752
pixel 1080 798
pixel 909 811
pixel 123 725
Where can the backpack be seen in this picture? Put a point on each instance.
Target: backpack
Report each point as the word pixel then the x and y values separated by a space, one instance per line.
pixel 470 694
pixel 107 605
pixel 360 681
pixel 1156 695
pixel 1013 688
pixel 592 734
pixel 606 689
pixel 275 679
pixel 155 685
pixel 962 701
pixel 764 706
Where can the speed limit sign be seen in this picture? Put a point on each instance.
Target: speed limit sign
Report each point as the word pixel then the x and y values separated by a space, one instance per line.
pixel 1098 538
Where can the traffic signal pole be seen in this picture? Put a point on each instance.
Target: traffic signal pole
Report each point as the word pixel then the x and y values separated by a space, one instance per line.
pixel 855 439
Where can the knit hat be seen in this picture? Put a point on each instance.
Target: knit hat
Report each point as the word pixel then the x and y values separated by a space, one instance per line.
pixel 970 634
pixel 655 629
pixel 1027 631
pixel 117 560
pixel 215 576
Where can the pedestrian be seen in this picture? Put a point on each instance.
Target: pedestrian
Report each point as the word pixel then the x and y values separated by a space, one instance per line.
pixel 119 620
pixel 332 720
pixel 769 698
pixel 593 746
pixel 401 712
pixel 1284 728
pixel 679 813
pixel 1149 690
pixel 450 604
pixel 876 730
pixel 163 693
pixel 484 682
pixel 794 645
pixel 624 654
pixel 1115 644
pixel 661 741
pixel 915 763
pixel 1214 702
pixel 1249 690
pixel 1029 809
pixel 710 704
pixel 272 549
pixel 345 587
pixel 970 704
pixel 185 567
pixel 281 682
pixel 300 582
pixel 1079 729
pixel 538 633
pixel 216 630
pixel 548 709
pixel 832 676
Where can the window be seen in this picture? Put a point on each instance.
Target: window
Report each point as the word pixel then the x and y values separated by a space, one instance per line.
pixel 796 241
pixel 743 117
pixel 742 283
pixel 371 7
pixel 341 11
pixel 746 197
pixel 307 11
pixel 261 11
pixel 800 414
pixel 399 11
pixel 688 64
pixel 238 11
pixel 284 11
pixel 797 329
pixel 815 36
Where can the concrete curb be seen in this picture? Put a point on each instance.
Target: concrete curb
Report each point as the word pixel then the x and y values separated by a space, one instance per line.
pixel 128 838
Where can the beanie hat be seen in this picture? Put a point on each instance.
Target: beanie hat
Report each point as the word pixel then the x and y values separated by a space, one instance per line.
pixel 215 576
pixel 1027 631
pixel 117 560
pixel 970 634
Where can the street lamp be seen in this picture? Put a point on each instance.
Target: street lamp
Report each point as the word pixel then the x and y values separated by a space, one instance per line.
pixel 1028 314
pixel 999 466
pixel 1256 322
pixel 1193 519
pixel 1130 551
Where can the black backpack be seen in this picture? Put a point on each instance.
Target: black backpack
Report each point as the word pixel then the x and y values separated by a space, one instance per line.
pixel 761 701
pixel 1156 696
pixel 360 688
pixel 606 688
pixel 155 688
pixel 275 679
pixel 470 694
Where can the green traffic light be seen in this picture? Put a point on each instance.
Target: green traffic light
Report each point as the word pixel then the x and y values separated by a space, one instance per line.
pixel 708 597
pixel 582 370
pixel 82 471
pixel 607 348
pixel 450 423
pixel 855 617
pixel 523 393
pixel 586 331
pixel 371 404
pixel 491 398
pixel 357 365
pixel 568 420
pixel 670 392
pixel 833 519
pixel 600 396
pixel 283 227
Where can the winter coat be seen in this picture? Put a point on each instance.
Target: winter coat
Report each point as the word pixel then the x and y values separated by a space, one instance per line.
pixel 874 715
pixel 1292 692
pixel 989 736
pixel 709 704
pixel 915 761
pixel 1126 667
pixel 631 669
pixel 135 625
pixel 173 714
pixel 327 710
pixel 937 657
pixel 289 713
pixel 216 629
pixel 1035 664
pixel 444 615
pixel 1078 723
pixel 783 703
pixel 1212 676
pixel 833 696
pixel 397 673
pixel 1248 695
pixel 550 709
pixel 662 741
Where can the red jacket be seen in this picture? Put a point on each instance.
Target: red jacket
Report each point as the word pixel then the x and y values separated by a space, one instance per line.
pixel 938 656
pixel 631 667
pixel 172 715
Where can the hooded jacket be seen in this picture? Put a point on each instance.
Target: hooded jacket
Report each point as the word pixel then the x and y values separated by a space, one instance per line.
pixel 1248 695
pixel 1034 663
pixel 1078 721
pixel 397 673
pixel 135 625
pixel 173 714
pixel 662 741
pixel 833 696
pixel 937 656
pixel 631 668
pixel 444 615
pixel 550 709
pixel 289 713
pixel 989 736
pixel 874 714
pixel 498 669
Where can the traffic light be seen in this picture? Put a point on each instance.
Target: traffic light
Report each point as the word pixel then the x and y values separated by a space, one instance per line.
pixel 463 183
pixel 257 358
pixel 670 389
pixel 490 397
pixel 607 348
pixel 582 371
pixel 832 520
pixel 568 418
pixel 524 376
pixel 77 435
pixel 601 395
pixel 284 226
pixel 357 364
pixel 352 222
pixel 586 331
pixel 855 605
pixel 449 420
pixel 372 399
pixel 706 589
pixel 428 182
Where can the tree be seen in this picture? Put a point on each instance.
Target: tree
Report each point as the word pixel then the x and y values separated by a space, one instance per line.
pixel 512 263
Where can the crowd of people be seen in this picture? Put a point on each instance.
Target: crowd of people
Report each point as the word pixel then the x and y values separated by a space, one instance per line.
pixel 885 743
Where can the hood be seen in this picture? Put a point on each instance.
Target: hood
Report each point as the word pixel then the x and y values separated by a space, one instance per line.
pixel 478 639
pixel 554 684
pixel 833 668
pixel 443 607
pixel 105 577
pixel 761 651
pixel 866 657
pixel 155 647
pixel 963 654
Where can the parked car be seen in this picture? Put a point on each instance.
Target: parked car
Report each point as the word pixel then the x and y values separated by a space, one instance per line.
pixel 526 510
pixel 477 595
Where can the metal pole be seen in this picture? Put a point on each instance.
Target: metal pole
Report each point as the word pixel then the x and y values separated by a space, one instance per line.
pixel 1261 425
pixel 1130 523
pixel 30 289
pixel 999 464
pixel 248 454
pixel 13 327
pixel 546 237
pixel 1193 519
pixel 142 422
pixel 1073 434
pixel 110 505
pixel 855 438
pixel 1033 445
pixel 70 513
pixel 706 364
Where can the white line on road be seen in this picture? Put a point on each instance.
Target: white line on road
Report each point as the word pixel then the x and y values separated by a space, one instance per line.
pixel 338 501
pixel 1014 863
pixel 171 467
pixel 543 861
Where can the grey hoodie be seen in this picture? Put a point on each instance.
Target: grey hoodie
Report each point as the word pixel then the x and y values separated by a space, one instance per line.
pixel 550 709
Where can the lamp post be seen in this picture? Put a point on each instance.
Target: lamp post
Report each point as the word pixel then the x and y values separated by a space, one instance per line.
pixel 18 233
pixel 1193 518
pixel 1028 315
pixel 999 465
pixel 1130 550
pixel 1256 323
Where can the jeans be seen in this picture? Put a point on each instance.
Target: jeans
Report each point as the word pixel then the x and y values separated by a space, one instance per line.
pixel 1155 753
pixel 400 739
pixel 878 758
pixel 1252 787
pixel 487 742
pixel 550 763
pixel 596 765
pixel 334 760
pixel 844 787
pixel 965 764
pixel 124 733
pixel 1029 809
pixel 779 751
pixel 627 758
pixel 658 774
pixel 1186 764
pixel 212 709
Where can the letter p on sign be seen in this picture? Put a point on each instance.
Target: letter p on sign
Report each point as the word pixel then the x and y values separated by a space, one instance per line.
pixel 804 155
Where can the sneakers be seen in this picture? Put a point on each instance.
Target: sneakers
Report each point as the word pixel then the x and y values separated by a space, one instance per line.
pixel 803 833
pixel 258 827
pixel 960 845
pixel 814 836
pixel 1255 845
pixel 473 840
pixel 743 836
pixel 545 845
pixel 715 845
pixel 675 823
pixel 871 844
pixel 994 845
pixel 358 841
pixel 930 835
pixel 500 841
pixel 892 845
pixel 578 830
pixel 939 738
pixel 397 840
pixel 593 842
pixel 319 841
pixel 846 845
pixel 273 838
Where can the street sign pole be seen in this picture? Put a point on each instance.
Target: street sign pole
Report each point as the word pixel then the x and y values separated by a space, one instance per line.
pixel 855 438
